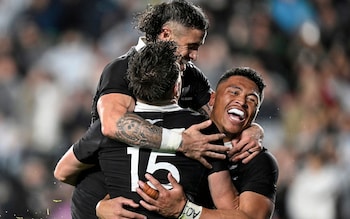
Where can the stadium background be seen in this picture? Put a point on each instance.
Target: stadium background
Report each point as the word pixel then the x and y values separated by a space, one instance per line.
pixel 53 51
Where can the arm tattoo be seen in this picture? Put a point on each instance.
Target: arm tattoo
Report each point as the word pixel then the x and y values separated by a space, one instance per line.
pixel 135 131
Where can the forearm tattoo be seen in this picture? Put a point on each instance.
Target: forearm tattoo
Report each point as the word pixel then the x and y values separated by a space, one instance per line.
pixel 135 131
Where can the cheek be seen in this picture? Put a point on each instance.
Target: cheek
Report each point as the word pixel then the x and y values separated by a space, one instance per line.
pixel 182 52
pixel 251 117
pixel 219 108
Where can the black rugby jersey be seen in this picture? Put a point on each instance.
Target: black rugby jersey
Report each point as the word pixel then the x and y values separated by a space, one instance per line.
pixel 195 91
pixel 123 166
pixel 258 175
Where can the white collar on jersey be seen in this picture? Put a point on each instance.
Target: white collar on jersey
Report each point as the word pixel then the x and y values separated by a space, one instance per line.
pixel 141 43
pixel 144 107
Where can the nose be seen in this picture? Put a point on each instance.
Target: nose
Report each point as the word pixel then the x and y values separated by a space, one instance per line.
pixel 241 100
pixel 193 55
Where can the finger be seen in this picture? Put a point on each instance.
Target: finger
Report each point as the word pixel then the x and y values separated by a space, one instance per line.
pixel 219 150
pixel 150 191
pixel 128 202
pixel 252 146
pixel 205 163
pixel 255 148
pixel 242 146
pixel 154 182
pixel 234 149
pixel 141 193
pixel 239 144
pixel 213 137
pixel 129 214
pixel 148 206
pixel 245 156
pixel 250 157
pixel 201 125
pixel 107 197
pixel 172 180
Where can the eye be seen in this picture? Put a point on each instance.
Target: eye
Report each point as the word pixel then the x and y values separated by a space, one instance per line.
pixel 252 99
pixel 234 91
pixel 193 47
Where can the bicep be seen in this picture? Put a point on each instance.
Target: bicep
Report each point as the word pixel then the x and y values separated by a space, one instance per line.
pixel 255 205
pixel 115 104
pixel 111 107
pixel 69 166
pixel 116 122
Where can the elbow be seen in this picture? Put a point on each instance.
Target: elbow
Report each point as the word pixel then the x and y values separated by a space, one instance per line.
pixel 58 174
pixel 108 131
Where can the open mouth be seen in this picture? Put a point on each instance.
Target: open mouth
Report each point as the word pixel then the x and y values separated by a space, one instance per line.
pixel 236 114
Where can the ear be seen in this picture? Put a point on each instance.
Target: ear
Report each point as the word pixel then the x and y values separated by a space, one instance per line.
pixel 177 88
pixel 212 99
pixel 256 114
pixel 165 34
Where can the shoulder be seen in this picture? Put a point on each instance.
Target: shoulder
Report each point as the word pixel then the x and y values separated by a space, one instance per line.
pixel 260 175
pixel 86 148
pixel 264 160
pixel 184 118
pixel 121 61
pixel 193 71
pixel 194 76
pixel 189 113
pixel 262 168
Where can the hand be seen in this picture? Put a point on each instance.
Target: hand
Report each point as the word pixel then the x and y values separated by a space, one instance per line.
pixel 248 145
pixel 113 208
pixel 169 202
pixel 196 145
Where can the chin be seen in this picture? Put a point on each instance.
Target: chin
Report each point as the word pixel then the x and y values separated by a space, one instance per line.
pixel 233 130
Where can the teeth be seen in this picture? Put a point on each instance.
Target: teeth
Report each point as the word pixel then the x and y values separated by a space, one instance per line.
pixel 237 112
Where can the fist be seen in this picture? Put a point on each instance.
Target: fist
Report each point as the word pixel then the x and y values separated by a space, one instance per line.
pixel 150 191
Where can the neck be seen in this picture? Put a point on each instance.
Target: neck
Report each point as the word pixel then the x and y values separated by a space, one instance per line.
pixel 228 136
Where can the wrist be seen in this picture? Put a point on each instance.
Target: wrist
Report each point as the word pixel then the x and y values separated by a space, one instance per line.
pixel 258 130
pixel 191 211
pixel 171 140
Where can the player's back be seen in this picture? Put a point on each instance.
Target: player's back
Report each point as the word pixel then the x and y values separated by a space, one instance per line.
pixel 123 166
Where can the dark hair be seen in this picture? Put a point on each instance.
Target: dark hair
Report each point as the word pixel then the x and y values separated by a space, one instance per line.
pixel 185 13
pixel 153 71
pixel 248 73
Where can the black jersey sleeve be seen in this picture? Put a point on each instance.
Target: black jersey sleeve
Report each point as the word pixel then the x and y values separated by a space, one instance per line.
pixel 113 80
pixel 196 88
pixel 86 148
pixel 259 175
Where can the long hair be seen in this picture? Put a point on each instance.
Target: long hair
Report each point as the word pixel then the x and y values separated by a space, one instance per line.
pixel 151 21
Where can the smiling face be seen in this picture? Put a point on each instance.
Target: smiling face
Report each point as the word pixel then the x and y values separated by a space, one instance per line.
pixel 235 105
pixel 188 40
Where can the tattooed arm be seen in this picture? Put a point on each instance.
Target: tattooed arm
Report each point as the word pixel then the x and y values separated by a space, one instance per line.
pixel 134 130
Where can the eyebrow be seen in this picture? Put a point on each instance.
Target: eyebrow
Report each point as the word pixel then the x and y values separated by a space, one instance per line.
pixel 239 88
pixel 235 86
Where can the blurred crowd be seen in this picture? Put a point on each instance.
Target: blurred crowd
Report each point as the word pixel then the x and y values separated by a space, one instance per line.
pixel 52 53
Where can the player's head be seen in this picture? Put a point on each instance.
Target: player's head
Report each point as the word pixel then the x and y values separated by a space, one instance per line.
pixel 236 102
pixel 179 21
pixel 154 73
